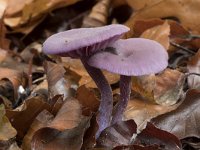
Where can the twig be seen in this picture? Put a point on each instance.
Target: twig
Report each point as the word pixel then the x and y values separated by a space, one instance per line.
pixel 181 47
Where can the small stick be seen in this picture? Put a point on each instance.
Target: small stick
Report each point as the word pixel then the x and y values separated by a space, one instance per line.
pixel 181 47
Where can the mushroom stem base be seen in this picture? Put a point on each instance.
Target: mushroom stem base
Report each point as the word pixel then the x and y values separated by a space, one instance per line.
pixel 106 105
pixel 125 90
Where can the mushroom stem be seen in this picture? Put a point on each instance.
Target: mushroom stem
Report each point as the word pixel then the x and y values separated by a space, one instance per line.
pixel 125 90
pixel 106 105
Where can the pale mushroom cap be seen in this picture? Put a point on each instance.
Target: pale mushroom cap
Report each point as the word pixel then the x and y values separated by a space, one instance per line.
pixel 135 56
pixel 83 41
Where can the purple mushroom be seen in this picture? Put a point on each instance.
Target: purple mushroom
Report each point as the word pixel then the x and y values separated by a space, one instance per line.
pixel 130 57
pixel 82 43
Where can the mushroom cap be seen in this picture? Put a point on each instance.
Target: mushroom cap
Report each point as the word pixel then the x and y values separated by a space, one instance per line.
pixel 83 41
pixel 134 56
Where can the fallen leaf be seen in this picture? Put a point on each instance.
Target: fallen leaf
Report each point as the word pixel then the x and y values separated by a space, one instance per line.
pixel 193 66
pixel 137 5
pixel 58 82
pixel 154 136
pixel 142 111
pixel 118 134
pixel 31 11
pixel 22 117
pixel 179 10
pixel 76 66
pixel 182 122
pixel 159 34
pixel 70 139
pixel 69 115
pixel 165 88
pixel 42 120
pixel 6 130
pixel 3 5
pixel 98 15
pixel 17 79
pixel 87 98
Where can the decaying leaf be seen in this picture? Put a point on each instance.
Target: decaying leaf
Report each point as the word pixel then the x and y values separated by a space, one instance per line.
pixel 178 9
pixel 194 67
pixel 22 117
pixel 69 115
pixel 76 66
pixel 98 15
pixel 27 15
pixel 42 120
pixel 70 139
pixel 165 88
pixel 17 79
pixel 184 121
pixel 137 5
pixel 118 134
pixel 87 98
pixel 158 33
pixel 58 82
pixel 152 135
pixel 6 130
pixel 142 111
pixel 3 5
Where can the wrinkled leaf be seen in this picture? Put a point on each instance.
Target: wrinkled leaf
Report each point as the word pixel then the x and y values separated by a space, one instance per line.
pixel 87 98
pixel 22 117
pixel 69 115
pixel 118 134
pixel 184 121
pixel 142 111
pixel 159 34
pixel 6 130
pixel 152 135
pixel 178 9
pixel 42 120
pixel 70 139
pixel 76 66
pixel 165 88
pixel 58 82
pixel 194 67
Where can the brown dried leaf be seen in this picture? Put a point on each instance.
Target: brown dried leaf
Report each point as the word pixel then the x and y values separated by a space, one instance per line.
pixel 58 82
pixel 98 15
pixel 6 130
pixel 42 120
pixel 22 117
pixel 3 55
pixel 165 88
pixel 76 66
pixel 70 139
pixel 87 98
pixel 158 33
pixel 17 79
pixel 142 111
pixel 31 11
pixel 136 5
pixel 178 9
pixel 69 115
pixel 194 67
pixel 118 134
pixel 184 121
pixel 154 136
pixel 3 5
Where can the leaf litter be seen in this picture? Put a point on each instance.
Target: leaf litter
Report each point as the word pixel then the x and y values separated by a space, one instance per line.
pixel 46 95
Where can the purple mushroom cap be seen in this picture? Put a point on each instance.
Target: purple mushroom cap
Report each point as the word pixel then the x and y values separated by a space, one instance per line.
pixel 135 56
pixel 83 41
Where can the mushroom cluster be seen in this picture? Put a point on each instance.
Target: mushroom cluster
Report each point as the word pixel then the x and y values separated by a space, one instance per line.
pixel 101 48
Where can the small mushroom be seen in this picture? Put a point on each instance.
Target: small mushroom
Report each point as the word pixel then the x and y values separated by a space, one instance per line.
pixel 82 43
pixel 130 57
